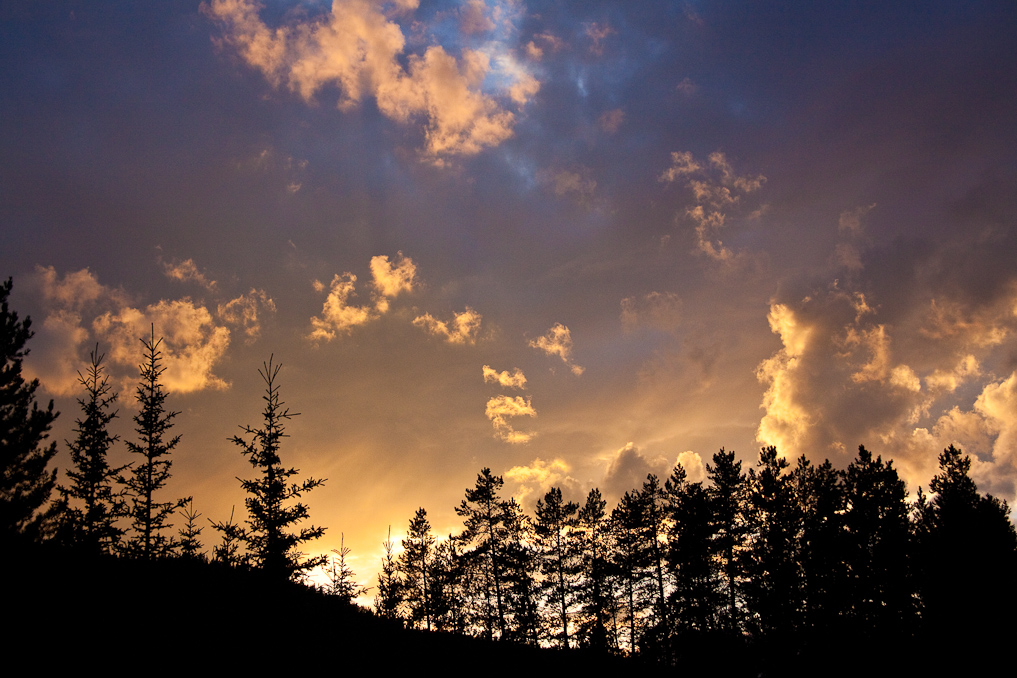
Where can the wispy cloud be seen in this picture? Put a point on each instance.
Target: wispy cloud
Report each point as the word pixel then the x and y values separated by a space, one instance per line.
pixel 515 379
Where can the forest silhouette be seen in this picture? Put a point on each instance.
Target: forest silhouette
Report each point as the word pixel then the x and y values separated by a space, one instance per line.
pixel 778 569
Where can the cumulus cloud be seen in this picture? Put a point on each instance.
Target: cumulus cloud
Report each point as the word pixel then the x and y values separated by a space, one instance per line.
pixel 81 312
pixel 338 316
pixel 391 278
pixel 515 379
pixel 628 468
pixel 695 470
pixel 844 376
pixel 716 190
pixel 558 342
pixel 187 271
pixel 501 408
pixel 463 329
pixel 536 478
pixel 359 49
pixel 658 310
pixel 246 311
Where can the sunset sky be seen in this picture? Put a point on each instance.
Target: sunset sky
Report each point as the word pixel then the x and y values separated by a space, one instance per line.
pixel 574 242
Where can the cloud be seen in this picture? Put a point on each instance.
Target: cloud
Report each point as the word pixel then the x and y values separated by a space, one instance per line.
pixel 187 271
pixel 245 311
pixel 192 343
pixel 628 468
pixel 693 464
pixel 558 341
pixel 658 310
pixel 597 33
pixel 565 182
pixel 473 18
pixel 716 189
pixel 361 51
pixel 500 408
pixel 611 121
pixel 535 479
pixel 851 220
pixel 81 312
pixel 841 379
pixel 391 278
pixel 514 380
pixel 463 329
pixel 687 87
pixel 337 315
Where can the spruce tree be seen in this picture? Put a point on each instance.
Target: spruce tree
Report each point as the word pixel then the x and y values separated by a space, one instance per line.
pixel 270 538
pixel 25 482
pixel 149 517
pixel 342 579
pixel 390 588
pixel 92 505
pixel 190 533
pixel 415 566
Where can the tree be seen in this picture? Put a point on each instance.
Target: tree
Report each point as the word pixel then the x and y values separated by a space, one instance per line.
pixel 694 600
pixel 190 533
pixel 596 598
pixel 149 517
pixel 960 532
pixel 25 482
pixel 342 579
pixel 773 589
pixel 877 534
pixel 554 526
pixel 484 521
pixel 227 552
pixel 729 531
pixel 271 542
pixel 415 566
pixel 92 505
pixel 390 586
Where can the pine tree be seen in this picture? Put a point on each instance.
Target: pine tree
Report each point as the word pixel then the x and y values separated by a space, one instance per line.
pixel 632 563
pixel 415 566
pixel 484 519
pixel 25 482
pixel 729 532
pixel 149 517
pixel 694 600
pixel 92 505
pixel 190 533
pixel 271 545
pixel 342 579
pixel 390 586
pixel 595 594
pixel 553 527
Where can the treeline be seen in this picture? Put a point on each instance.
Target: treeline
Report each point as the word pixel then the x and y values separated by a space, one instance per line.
pixel 99 509
pixel 776 554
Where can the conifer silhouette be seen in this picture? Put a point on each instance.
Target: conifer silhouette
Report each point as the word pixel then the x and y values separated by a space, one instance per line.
pixel 269 537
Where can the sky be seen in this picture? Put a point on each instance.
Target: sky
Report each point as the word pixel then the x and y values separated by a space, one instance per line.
pixel 573 242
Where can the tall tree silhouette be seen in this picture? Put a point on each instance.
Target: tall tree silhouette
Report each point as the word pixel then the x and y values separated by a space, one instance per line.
pixel 694 600
pixel 390 588
pixel 270 537
pixel 596 599
pixel 960 531
pixel 729 529
pixel 484 519
pixel 554 528
pixel 93 506
pixel 415 565
pixel 150 517
pixel 877 530
pixel 25 482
